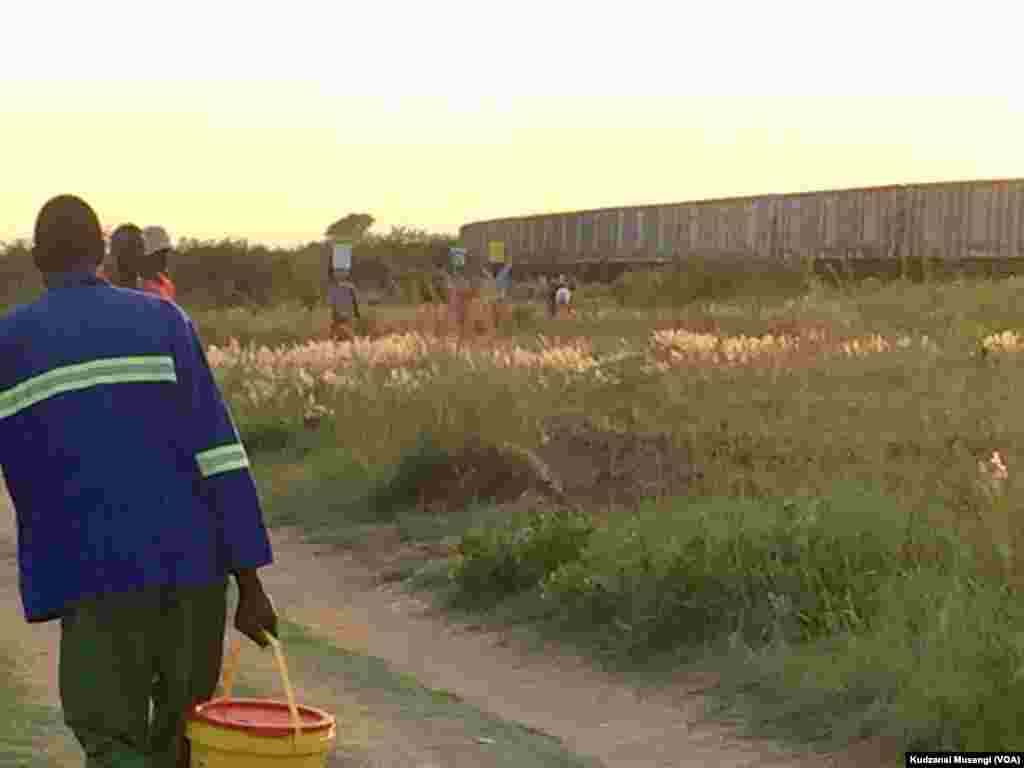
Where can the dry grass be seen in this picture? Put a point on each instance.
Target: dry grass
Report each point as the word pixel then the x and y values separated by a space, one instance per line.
pixel 903 389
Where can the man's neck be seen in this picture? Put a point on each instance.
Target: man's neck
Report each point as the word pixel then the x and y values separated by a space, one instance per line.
pixel 52 277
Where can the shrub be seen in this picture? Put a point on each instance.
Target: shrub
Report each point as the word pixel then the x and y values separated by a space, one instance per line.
pixel 268 436
pixel 400 489
pixel 694 572
pixel 635 288
pixel 20 281
pixel 417 287
pixel 275 434
pixel 500 561
pixel 703 279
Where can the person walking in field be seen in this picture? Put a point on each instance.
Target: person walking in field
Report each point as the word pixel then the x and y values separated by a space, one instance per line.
pixel 458 297
pixel 344 301
pixel 153 274
pixel 133 498
pixel 563 298
pixel 128 249
pixel 503 282
pixel 559 296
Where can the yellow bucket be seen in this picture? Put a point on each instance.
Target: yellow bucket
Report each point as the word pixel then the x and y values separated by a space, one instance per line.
pixel 259 733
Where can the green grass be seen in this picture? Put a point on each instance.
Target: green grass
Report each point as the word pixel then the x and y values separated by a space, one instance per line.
pixel 942 670
pixel 810 607
pixel 829 628
pixel 24 726
pixel 400 695
pixel 931 656
pixel 824 630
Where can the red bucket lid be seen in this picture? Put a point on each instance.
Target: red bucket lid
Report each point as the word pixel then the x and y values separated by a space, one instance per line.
pixel 261 716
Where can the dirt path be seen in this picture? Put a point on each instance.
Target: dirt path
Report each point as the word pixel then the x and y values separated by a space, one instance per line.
pixel 375 733
pixel 34 647
pixel 339 599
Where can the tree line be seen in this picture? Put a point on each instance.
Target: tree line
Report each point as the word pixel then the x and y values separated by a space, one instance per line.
pixel 235 272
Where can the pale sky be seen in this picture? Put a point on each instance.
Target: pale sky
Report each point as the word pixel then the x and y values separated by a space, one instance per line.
pixel 269 121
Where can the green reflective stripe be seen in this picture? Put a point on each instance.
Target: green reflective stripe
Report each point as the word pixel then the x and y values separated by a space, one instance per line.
pixel 115 370
pixel 223 459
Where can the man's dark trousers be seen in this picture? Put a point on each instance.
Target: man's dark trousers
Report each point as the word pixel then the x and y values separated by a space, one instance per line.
pixel 120 652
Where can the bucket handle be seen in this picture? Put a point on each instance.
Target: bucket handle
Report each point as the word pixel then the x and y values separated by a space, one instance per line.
pixel 230 666
pixel 282 668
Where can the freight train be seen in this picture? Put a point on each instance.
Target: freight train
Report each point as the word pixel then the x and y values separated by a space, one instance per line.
pixel 967 220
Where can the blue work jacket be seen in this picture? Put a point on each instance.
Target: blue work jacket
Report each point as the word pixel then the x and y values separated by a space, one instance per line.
pixel 118 450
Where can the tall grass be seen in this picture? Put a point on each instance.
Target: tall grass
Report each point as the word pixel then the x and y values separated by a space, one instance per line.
pixel 841 553
pixel 911 421
pixel 830 618
pixel 841 561
pixel 698 279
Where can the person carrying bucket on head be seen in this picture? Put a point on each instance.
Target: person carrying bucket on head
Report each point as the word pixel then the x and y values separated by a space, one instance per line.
pixel 344 301
pixel 133 498
pixel 153 270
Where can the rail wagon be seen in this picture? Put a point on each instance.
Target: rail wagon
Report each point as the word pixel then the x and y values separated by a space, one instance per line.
pixel 945 220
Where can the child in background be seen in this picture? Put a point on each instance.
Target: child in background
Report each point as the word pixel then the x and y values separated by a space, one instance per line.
pixel 563 297
pixel 552 289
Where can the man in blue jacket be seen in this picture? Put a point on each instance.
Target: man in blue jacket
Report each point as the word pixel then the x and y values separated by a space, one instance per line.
pixel 133 496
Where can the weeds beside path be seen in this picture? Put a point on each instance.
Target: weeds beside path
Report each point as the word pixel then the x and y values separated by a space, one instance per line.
pixel 594 715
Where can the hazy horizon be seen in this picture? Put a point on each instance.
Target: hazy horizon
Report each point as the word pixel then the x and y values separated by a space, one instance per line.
pixel 272 134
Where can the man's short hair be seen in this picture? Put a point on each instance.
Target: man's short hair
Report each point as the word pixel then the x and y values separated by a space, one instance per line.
pixel 67 236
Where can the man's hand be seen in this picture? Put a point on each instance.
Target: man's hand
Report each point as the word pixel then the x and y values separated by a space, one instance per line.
pixel 255 614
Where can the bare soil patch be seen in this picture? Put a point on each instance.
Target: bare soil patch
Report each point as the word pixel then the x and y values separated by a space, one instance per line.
pixel 605 467
pixel 578 465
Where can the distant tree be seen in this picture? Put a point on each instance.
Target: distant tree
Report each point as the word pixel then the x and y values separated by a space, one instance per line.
pixel 15 247
pixel 354 226
pixel 406 236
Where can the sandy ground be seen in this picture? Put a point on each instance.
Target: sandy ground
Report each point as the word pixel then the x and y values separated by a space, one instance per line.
pixel 339 597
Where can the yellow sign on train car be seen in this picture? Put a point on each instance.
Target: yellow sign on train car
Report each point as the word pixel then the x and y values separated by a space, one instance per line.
pixel 496 251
